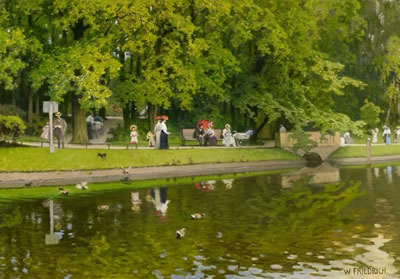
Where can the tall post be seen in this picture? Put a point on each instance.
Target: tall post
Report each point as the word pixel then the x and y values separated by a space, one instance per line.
pixel 368 151
pixel 51 129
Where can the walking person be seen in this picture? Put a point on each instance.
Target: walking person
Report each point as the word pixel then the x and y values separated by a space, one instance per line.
pixel 375 133
pixel 164 133
pixel 45 132
pixel 387 135
pixel 157 132
pixel 89 125
pixel 60 128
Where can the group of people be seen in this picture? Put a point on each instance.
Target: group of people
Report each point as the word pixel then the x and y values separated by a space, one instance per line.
pixel 386 135
pixel 206 135
pixel 94 124
pixel 60 129
pixel 158 140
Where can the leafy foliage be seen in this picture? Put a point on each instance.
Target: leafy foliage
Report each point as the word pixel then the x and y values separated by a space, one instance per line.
pixel 370 114
pixel 303 141
pixel 11 127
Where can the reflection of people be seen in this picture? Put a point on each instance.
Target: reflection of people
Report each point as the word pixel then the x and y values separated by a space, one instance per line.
pixel 157 132
pixel 227 136
pixel 60 128
pixel 228 183
pixel 389 173
pixel 160 201
pixel 134 135
pixel 205 186
pixel 164 133
pixel 136 201
pixel 375 135
pixel 376 172
pixel 45 132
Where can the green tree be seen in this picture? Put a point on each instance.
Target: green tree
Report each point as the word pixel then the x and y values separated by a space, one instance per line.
pixel 370 114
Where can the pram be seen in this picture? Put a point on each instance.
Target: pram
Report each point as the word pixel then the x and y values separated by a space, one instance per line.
pixel 242 138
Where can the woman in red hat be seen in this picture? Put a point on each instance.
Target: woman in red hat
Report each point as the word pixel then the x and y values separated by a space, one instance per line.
pixel 164 133
pixel 157 132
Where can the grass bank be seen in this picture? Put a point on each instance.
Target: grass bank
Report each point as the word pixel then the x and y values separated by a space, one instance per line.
pixel 10 195
pixel 360 151
pixel 39 159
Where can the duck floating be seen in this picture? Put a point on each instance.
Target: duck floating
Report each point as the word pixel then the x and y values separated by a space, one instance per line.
pixel 197 216
pixel 180 233
pixel 82 186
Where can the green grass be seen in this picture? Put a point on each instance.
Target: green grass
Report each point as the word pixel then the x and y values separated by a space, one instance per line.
pixel 39 159
pixel 9 195
pixel 360 151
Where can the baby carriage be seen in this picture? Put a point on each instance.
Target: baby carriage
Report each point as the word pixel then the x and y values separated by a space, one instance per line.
pixel 242 138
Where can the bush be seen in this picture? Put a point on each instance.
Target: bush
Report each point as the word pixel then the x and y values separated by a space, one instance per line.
pixel 11 110
pixel 370 114
pixel 11 127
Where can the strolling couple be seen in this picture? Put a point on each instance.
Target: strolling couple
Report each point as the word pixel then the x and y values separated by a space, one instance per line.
pixel 161 132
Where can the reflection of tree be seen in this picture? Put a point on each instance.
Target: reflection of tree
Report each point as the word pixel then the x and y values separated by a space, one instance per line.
pixel 304 213
pixel 10 215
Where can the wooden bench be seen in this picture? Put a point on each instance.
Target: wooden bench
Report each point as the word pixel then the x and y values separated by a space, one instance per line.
pixel 188 135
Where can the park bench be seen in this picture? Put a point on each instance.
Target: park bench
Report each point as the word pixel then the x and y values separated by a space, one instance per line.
pixel 188 135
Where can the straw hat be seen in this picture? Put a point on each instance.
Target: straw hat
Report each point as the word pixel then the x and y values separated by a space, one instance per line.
pixel 58 113
pixel 133 127
pixel 227 126
pixel 164 117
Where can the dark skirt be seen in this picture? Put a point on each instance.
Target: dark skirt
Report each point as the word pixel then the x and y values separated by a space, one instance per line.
pixel 163 140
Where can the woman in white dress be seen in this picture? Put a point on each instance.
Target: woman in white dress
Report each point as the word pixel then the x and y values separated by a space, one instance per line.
pixel 164 133
pixel 157 132
pixel 375 135
pixel 228 139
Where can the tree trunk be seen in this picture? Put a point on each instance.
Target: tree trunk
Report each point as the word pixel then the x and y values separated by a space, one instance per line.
pixel 152 112
pixel 79 130
pixel 30 105
pixel 387 116
pixel 126 112
pixel 37 110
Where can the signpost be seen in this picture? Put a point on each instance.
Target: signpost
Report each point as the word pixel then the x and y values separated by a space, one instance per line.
pixel 50 108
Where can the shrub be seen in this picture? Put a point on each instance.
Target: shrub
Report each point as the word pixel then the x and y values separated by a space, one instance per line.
pixel 11 127
pixel 370 114
pixel 12 110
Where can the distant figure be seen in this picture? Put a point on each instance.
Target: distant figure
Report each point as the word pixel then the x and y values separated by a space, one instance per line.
pixel 98 125
pixel 134 135
pixel 282 129
pixel 209 136
pixel 228 139
pixel 164 133
pixel 89 125
pixel 157 132
pixel 199 133
pixel 397 134
pixel 347 138
pixel 45 132
pixel 60 128
pixel 150 138
pixel 375 133
pixel 387 135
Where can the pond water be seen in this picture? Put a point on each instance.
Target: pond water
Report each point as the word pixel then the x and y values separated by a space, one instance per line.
pixel 323 223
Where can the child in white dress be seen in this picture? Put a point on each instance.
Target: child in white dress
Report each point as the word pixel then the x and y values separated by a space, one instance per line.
pixel 134 135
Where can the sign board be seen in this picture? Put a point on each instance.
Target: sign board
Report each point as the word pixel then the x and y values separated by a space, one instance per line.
pixel 47 105
pixel 52 239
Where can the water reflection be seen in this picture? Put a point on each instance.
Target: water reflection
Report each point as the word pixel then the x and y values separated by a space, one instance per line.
pixel 270 226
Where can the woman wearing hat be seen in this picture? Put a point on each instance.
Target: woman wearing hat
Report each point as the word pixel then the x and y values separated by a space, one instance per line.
pixel 60 129
pixel 157 132
pixel 164 133
pixel 228 139
pixel 134 135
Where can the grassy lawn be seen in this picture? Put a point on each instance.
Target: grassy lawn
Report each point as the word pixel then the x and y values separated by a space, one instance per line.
pixel 39 159
pixel 360 151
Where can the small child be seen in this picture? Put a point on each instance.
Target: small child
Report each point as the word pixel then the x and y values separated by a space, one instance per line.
pixel 150 138
pixel 134 135
pixel 45 132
